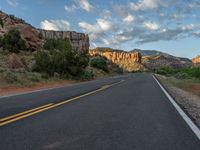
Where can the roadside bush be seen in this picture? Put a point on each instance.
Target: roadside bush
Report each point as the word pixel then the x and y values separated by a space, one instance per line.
pixel 10 77
pixel 87 75
pixel 184 73
pixel 60 58
pixel 99 62
pixel 166 71
pixel 13 42
pixel 192 72
pixel 117 69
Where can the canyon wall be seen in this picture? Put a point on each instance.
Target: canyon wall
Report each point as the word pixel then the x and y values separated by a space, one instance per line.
pixel 79 41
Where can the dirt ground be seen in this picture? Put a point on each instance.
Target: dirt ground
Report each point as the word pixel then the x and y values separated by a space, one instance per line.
pixel 39 86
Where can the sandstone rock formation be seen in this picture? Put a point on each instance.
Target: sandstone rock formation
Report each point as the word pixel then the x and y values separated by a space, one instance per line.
pixel 128 61
pixel 14 61
pixel 35 38
pixel 134 61
pixel 196 60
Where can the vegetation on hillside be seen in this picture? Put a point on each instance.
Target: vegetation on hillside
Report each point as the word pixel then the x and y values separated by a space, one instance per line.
pixel 184 73
pixel 99 62
pixel 59 58
pixel 13 42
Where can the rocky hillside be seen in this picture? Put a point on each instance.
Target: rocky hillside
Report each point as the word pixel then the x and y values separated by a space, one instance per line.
pixel 156 62
pixel 135 61
pixel 35 38
pixel 151 53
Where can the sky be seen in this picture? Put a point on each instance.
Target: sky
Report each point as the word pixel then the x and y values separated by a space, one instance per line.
pixel 171 26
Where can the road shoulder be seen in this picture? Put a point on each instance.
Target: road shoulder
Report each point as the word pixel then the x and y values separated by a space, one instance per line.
pixel 188 101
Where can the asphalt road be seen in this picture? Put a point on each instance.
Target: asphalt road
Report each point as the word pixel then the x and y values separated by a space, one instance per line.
pixel 122 113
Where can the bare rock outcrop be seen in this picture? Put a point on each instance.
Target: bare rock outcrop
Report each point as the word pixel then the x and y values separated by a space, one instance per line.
pixel 196 60
pixel 14 61
pixel 127 61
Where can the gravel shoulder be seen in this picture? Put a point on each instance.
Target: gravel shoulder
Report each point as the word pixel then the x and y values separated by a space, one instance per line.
pixel 189 101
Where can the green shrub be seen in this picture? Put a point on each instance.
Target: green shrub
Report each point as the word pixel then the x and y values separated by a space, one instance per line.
pixel 13 42
pixel 10 77
pixel 60 58
pixel 59 44
pixel 166 71
pixel 192 72
pixel 117 69
pixel 182 75
pixel 99 62
pixel 87 75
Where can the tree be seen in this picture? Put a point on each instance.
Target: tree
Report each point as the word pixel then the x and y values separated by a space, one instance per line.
pixel 99 62
pixel 60 58
pixel 13 42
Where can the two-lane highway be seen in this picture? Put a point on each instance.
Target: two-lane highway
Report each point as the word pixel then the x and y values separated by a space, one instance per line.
pixel 122 113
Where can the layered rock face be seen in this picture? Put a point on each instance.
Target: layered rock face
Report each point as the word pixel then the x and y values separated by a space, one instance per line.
pixel 128 61
pixel 196 60
pixel 79 41
pixel 35 38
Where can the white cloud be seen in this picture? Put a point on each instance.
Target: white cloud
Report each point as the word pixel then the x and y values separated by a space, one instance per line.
pixel 144 4
pixel 84 4
pixel 105 41
pixel 70 8
pixel 151 25
pixel 12 3
pixel 57 25
pixel 98 30
pixel 105 25
pixel 128 19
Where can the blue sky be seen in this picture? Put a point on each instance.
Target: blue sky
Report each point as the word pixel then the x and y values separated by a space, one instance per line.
pixel 171 26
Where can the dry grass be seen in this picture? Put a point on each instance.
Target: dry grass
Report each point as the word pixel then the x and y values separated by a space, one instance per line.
pixel 190 85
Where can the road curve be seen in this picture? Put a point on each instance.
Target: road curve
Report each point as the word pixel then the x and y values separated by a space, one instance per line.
pixel 128 112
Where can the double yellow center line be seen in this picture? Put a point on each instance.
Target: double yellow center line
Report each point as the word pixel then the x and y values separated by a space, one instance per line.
pixel 37 110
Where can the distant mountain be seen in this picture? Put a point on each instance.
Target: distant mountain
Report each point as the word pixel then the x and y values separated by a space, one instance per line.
pixel 151 53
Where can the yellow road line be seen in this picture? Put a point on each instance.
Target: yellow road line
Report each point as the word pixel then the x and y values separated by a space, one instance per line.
pixel 25 112
pixel 37 110
pixel 26 115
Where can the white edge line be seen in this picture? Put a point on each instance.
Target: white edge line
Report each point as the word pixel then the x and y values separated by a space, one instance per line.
pixel 190 123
